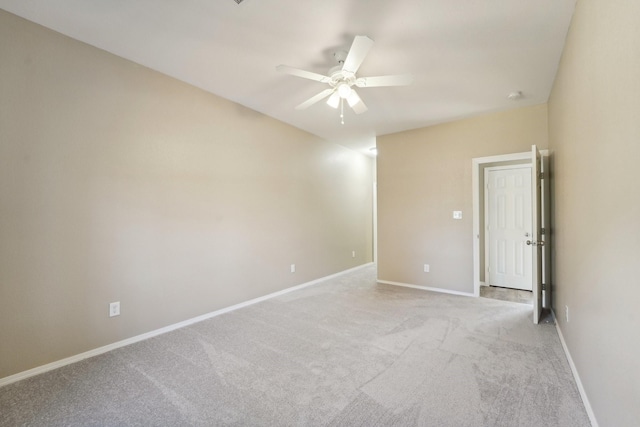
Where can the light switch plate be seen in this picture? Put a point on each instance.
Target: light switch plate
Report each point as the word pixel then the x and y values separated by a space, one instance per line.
pixel 457 214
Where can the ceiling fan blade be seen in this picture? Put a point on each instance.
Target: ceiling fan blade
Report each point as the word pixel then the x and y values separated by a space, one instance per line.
pixel 309 102
pixel 399 80
pixel 355 102
pixel 359 49
pixel 304 74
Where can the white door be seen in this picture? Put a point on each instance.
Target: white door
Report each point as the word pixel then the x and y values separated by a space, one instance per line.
pixel 509 226
pixel 536 242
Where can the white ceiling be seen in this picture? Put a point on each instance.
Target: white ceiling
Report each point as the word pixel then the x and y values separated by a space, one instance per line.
pixel 466 55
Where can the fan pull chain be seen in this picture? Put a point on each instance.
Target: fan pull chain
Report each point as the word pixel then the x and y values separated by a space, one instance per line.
pixel 342 110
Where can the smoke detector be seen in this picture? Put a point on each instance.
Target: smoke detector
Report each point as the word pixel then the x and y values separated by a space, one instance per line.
pixel 514 96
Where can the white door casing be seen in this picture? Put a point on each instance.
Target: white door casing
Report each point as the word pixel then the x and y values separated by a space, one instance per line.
pixel 508 226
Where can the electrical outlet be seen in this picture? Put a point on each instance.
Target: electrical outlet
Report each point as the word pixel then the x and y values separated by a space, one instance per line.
pixel 566 313
pixel 353 254
pixel 293 268
pixel 457 214
pixel 426 268
pixel 114 309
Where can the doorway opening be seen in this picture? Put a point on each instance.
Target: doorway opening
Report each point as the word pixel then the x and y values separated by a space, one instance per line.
pixel 538 244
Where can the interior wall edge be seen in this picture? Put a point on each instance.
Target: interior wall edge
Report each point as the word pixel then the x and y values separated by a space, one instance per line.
pixel 576 375
pixel 427 288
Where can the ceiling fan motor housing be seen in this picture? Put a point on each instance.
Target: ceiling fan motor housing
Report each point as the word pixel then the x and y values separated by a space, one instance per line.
pixel 338 75
pixel 340 56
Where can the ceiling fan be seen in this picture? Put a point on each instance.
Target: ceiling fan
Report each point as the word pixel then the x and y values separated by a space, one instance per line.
pixel 342 78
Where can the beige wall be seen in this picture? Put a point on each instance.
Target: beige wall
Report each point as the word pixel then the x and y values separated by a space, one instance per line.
pixel 423 176
pixel 120 184
pixel 594 134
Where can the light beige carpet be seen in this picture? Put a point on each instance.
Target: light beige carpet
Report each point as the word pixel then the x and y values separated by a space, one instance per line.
pixel 346 352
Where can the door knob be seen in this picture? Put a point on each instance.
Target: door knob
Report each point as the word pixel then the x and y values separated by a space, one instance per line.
pixel 529 242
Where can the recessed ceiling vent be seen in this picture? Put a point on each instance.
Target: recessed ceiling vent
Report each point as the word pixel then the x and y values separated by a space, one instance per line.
pixel 238 1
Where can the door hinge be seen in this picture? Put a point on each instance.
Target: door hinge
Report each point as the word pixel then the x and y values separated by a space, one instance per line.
pixel 542 231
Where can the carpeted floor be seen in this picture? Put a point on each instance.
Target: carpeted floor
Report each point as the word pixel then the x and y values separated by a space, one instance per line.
pixel 346 352
pixel 506 294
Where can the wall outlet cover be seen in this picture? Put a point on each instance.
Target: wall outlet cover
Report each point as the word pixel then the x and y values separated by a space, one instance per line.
pixel 114 309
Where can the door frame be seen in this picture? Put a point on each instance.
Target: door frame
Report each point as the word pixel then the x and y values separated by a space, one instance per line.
pixel 477 178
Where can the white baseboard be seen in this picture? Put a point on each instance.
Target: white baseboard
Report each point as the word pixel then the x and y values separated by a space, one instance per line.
pixel 576 377
pixel 100 350
pixel 428 288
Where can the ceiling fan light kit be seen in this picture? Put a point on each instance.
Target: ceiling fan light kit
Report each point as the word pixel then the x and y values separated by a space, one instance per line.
pixel 353 99
pixel 342 78
pixel 344 90
pixel 334 100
